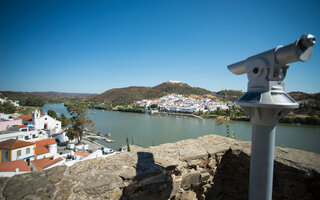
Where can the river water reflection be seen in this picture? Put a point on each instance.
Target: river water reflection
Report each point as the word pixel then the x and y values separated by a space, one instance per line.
pixel 146 130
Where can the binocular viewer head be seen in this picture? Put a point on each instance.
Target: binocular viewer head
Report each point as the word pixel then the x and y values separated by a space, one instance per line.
pixel 300 50
pixel 266 72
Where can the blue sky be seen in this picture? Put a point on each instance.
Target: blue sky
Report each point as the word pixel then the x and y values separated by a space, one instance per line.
pixel 93 46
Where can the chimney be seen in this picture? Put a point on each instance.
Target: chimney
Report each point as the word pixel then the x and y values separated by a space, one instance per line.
pixel 55 156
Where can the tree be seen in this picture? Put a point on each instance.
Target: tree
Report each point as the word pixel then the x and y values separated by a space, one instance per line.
pixel 79 122
pixel 128 146
pixel 7 108
pixel 64 120
pixel 33 101
pixel 218 111
pixel 154 106
pixel 226 120
pixel 53 114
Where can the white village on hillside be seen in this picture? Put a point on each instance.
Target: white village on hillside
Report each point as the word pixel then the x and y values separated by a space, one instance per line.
pixel 180 103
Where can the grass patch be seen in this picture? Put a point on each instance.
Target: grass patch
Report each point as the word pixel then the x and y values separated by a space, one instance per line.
pixel 28 109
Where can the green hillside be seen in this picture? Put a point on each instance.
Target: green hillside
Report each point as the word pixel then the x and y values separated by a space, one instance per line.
pixel 130 94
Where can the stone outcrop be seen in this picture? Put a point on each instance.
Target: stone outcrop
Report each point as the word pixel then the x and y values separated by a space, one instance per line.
pixel 210 167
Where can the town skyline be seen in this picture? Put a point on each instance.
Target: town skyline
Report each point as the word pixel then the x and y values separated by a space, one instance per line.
pixel 85 47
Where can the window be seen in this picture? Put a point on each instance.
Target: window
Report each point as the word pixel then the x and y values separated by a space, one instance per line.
pixel 18 153
pixel 7 155
pixel 45 118
pixel 28 151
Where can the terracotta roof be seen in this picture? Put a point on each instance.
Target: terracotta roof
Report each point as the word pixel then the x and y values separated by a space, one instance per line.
pixel 27 117
pixel 13 165
pixel 82 153
pixel 45 162
pixel 14 144
pixel 42 145
pixel 21 126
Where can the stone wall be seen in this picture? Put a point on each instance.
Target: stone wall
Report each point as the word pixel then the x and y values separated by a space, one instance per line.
pixel 210 167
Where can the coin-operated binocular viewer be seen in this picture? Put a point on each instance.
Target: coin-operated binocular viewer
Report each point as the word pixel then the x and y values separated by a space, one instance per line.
pixel 266 102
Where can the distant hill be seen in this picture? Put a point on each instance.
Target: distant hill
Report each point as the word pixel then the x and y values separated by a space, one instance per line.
pixel 301 96
pixel 135 93
pixel 131 94
pixel 45 95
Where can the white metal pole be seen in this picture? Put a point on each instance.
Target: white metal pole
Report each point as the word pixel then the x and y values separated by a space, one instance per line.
pixel 261 164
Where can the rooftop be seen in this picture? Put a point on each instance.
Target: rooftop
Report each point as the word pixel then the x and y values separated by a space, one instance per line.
pixel 45 162
pixel 82 153
pixel 22 126
pixel 42 145
pixel 27 117
pixel 13 133
pixel 13 165
pixel 14 144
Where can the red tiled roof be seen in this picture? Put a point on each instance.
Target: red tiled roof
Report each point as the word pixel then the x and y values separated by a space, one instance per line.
pixel 45 162
pixel 13 165
pixel 14 144
pixel 27 117
pixel 21 126
pixel 82 153
pixel 42 145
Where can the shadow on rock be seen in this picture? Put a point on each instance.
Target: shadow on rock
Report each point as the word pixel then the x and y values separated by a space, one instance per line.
pixel 152 181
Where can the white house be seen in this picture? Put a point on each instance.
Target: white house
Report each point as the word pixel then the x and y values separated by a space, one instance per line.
pixel 41 121
pixel 20 128
pixel 13 149
pixel 29 136
pixel 45 148
pixel 15 103
pixel 4 116
pixel 8 123
pixel 80 155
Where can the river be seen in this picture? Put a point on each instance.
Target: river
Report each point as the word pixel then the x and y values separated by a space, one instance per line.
pixel 146 130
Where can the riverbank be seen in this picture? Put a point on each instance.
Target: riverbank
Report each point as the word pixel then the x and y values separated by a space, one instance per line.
pixel 293 119
pixel 178 114
pixel 307 120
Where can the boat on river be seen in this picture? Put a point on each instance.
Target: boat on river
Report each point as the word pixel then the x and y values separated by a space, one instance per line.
pixel 108 140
